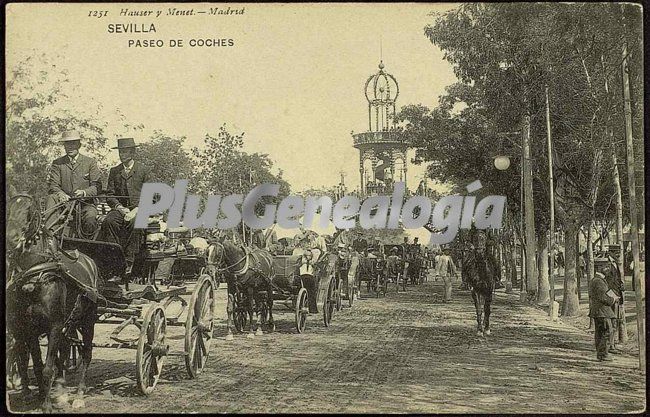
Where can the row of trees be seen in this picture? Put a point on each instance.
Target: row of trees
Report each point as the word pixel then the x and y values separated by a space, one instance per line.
pixel 505 57
pixel 42 102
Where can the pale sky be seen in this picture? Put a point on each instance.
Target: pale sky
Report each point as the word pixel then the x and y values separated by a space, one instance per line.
pixel 293 81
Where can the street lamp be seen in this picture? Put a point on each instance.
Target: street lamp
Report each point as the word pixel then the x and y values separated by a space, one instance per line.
pixel 502 162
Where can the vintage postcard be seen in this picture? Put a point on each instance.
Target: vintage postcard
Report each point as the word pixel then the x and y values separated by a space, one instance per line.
pixel 324 208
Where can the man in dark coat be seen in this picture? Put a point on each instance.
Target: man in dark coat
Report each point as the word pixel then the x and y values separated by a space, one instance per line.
pixel 613 278
pixel 125 182
pixel 74 175
pixel 600 308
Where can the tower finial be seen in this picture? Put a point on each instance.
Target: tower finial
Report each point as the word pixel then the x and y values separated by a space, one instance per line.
pixel 381 54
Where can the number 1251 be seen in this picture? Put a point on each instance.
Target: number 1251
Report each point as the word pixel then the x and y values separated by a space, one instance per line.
pixel 98 13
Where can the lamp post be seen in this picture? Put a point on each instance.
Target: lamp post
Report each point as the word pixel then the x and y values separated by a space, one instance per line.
pixel 502 162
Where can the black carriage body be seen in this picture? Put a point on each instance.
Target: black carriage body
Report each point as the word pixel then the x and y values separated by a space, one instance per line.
pixel 288 280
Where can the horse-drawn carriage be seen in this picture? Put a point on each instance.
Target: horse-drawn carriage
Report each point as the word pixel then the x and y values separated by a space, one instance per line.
pixel 346 273
pixel 395 269
pixel 138 300
pixel 305 287
pixel 371 271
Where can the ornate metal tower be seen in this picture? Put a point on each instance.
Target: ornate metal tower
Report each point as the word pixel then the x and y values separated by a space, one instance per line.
pixel 382 149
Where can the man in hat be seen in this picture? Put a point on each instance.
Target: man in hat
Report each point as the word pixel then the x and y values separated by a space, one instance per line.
pixel 445 268
pixel 392 264
pixel 74 175
pixel 601 301
pixel 125 183
pixel 613 278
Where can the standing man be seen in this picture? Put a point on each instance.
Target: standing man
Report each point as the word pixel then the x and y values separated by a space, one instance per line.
pixel 124 183
pixel 74 175
pixel 446 268
pixel 615 284
pixel 601 301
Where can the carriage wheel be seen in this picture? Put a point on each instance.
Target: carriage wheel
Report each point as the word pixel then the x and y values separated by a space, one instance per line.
pixel 199 326
pixel 75 357
pixel 329 304
pixel 301 310
pixel 337 294
pixel 151 349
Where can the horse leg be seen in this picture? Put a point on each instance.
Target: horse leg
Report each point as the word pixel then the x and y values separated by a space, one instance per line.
pixel 477 305
pixel 479 311
pixel 22 350
pixel 50 365
pixel 258 314
pixel 488 302
pixel 249 305
pixel 87 335
pixel 230 308
pixel 269 301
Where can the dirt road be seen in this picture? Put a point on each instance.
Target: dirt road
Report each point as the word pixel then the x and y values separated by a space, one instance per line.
pixel 407 352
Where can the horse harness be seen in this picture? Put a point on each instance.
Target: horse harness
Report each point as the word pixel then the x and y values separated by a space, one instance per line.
pixel 28 280
pixel 248 265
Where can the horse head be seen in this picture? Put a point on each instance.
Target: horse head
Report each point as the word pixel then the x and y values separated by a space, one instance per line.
pixel 22 222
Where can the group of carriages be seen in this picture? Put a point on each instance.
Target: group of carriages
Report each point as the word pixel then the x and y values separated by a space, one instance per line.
pixel 173 264
pixel 398 265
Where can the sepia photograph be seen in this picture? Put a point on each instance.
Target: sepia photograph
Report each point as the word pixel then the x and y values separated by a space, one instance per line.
pixel 395 208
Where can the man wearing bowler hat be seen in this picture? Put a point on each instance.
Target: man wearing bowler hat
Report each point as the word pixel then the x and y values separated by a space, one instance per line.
pixel 74 175
pixel 601 301
pixel 123 190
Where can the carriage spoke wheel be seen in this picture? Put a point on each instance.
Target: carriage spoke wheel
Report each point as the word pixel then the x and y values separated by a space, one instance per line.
pixel 301 310
pixel 339 303
pixel 350 292
pixel 199 326
pixel 152 349
pixel 329 304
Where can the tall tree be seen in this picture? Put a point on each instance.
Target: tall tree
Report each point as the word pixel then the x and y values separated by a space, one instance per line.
pixel 166 159
pixel 504 55
pixel 41 103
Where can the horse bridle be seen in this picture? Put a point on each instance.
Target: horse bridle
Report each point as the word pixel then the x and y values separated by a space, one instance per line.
pixel 241 271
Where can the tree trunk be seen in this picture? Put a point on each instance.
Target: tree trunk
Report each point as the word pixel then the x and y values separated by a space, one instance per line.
pixel 511 267
pixel 570 302
pixel 622 328
pixel 543 285
pixel 590 252
pixel 529 212
pixel 638 280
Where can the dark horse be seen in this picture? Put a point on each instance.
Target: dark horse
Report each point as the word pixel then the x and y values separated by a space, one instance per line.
pixel 51 292
pixel 481 272
pixel 249 274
